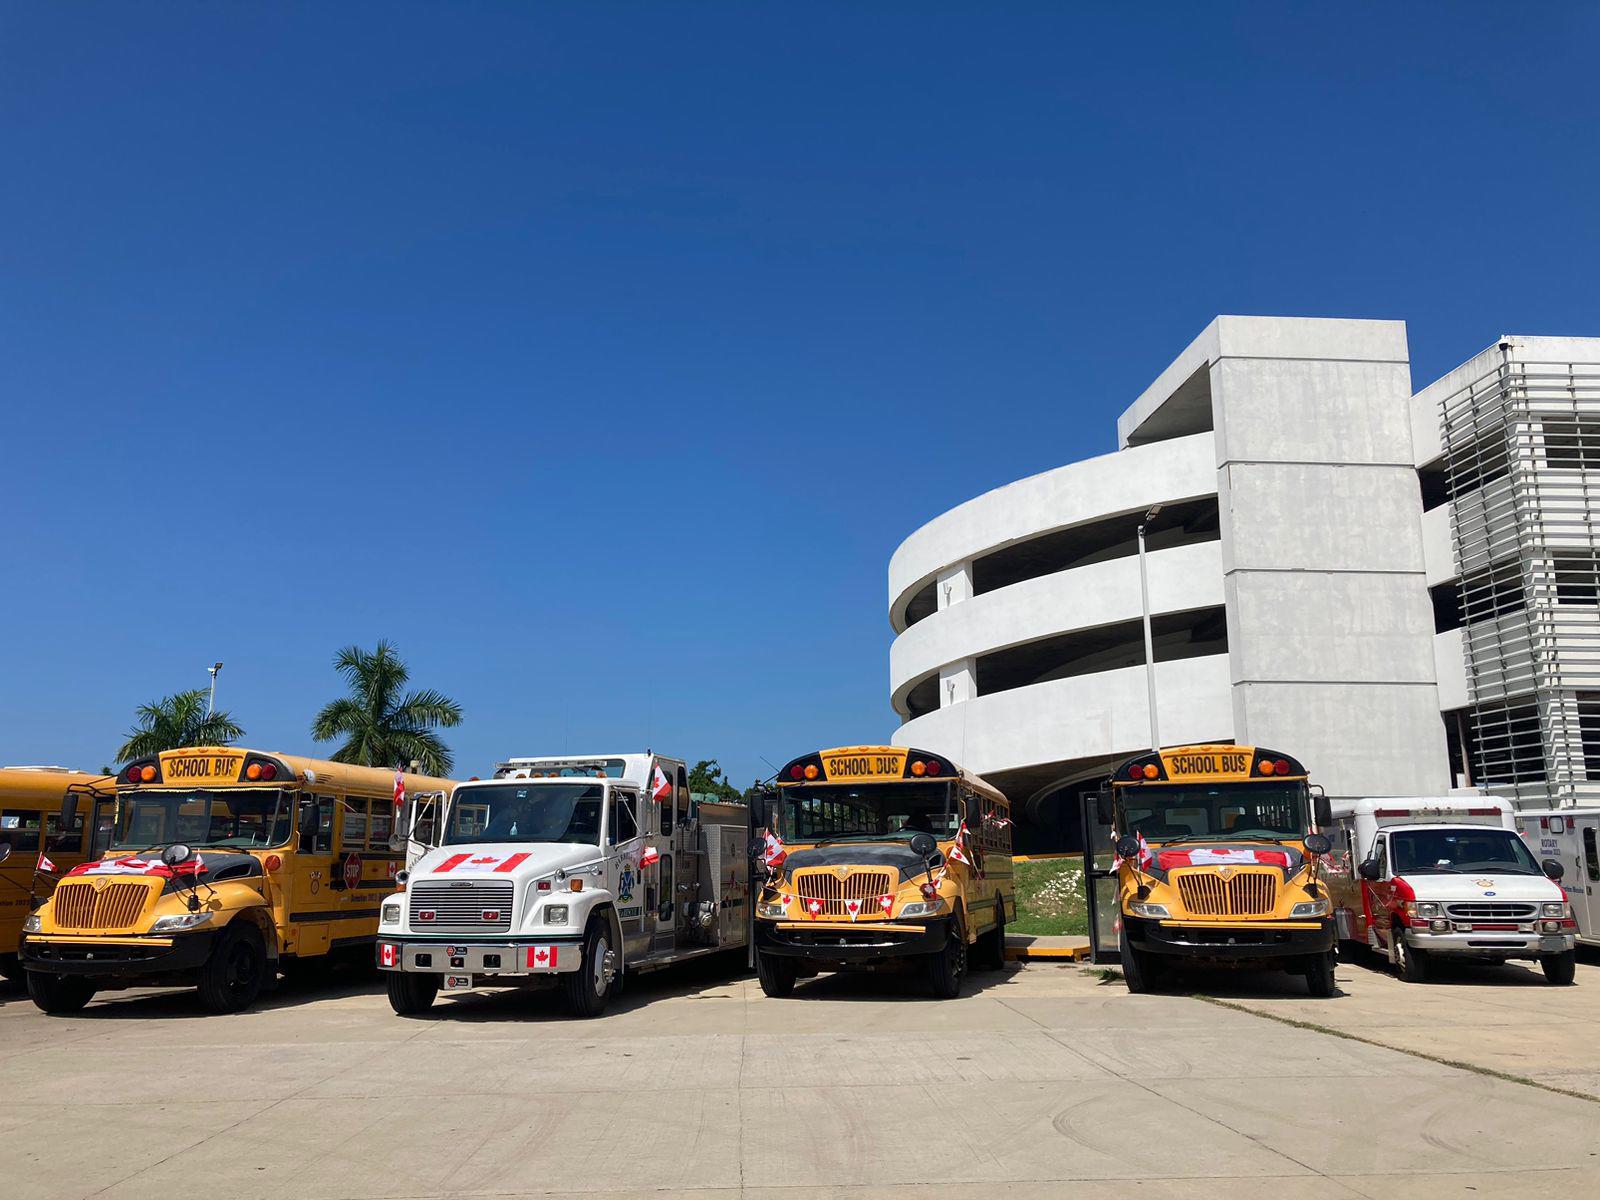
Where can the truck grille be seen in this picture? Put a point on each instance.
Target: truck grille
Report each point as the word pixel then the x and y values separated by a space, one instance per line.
pixel 833 890
pixel 116 906
pixel 1247 894
pixel 1490 911
pixel 442 907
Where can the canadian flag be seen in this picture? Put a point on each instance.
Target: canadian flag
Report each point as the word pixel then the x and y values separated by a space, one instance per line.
pixel 542 957
pixel 45 865
pixel 853 907
pixel 1212 856
pixel 649 856
pixel 775 852
pixel 886 903
pixel 814 907
pixel 399 789
pixel 125 866
pixel 660 788
pixel 386 954
pixel 786 900
pixel 500 864
pixel 961 849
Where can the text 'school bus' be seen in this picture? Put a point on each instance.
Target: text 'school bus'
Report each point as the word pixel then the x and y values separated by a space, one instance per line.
pixel 567 872
pixel 1219 864
pixel 225 865
pixel 882 855
pixel 36 848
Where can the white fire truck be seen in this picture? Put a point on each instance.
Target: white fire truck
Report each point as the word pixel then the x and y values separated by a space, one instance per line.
pixel 566 871
pixel 1417 879
pixel 1571 837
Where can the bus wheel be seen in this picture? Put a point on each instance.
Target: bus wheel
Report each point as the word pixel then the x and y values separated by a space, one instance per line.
pixel 1560 969
pixel 1319 975
pixel 776 974
pixel 1139 972
pixel 1410 963
pixel 232 977
pixel 947 969
pixel 588 989
pixel 992 946
pixel 11 968
pixel 411 993
pixel 58 994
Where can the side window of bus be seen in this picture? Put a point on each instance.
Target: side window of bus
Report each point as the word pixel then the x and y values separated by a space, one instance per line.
pixel 316 824
pixel 70 842
pixel 623 825
pixel 353 833
pixel 19 829
pixel 382 824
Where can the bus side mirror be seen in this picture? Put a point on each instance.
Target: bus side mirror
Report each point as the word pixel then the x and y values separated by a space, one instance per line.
pixel 1318 843
pixel 1102 807
pixel 1128 847
pixel 1552 869
pixel 5 851
pixel 1322 810
pixel 923 845
pixel 756 847
pixel 69 811
pixel 176 853
pixel 1369 870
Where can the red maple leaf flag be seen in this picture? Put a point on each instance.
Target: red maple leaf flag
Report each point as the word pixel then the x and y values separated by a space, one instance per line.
pixel 399 789
pixel 775 852
pixel 648 857
pixel 660 788
pixel 886 903
pixel 959 849
pixel 853 907
pixel 814 907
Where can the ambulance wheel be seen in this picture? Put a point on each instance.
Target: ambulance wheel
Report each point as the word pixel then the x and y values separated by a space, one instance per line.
pixel 947 969
pixel 411 993
pixel 58 994
pixel 992 945
pixel 234 974
pixel 1560 969
pixel 1410 964
pixel 1319 975
pixel 776 974
pixel 588 989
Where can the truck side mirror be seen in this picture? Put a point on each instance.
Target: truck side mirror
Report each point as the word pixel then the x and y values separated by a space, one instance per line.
pixel 1102 807
pixel 1552 869
pixel 1322 810
pixel 401 831
pixel 1369 870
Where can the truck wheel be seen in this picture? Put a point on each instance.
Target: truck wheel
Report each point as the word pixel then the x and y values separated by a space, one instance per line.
pixel 1319 975
pixel 411 993
pixel 948 968
pixel 58 994
pixel 776 974
pixel 992 945
pixel 1410 964
pixel 233 975
pixel 588 989
pixel 1560 969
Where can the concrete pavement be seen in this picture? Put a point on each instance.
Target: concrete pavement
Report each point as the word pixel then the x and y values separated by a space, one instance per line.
pixel 698 1085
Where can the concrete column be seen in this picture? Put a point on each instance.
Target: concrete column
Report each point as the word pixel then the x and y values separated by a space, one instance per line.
pixel 958 681
pixel 955 584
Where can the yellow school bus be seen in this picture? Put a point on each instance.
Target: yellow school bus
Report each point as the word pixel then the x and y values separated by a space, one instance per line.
pixel 225 866
pixel 35 847
pixel 1218 864
pixel 880 855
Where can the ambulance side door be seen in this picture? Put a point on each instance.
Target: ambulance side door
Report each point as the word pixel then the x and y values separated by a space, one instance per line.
pixel 1378 894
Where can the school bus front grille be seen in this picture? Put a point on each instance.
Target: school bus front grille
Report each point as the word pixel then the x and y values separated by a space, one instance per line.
pixel 833 889
pixel 1246 894
pixel 112 907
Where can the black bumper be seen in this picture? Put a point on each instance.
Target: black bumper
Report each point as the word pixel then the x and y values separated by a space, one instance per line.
pixel 1230 943
pixel 88 957
pixel 852 945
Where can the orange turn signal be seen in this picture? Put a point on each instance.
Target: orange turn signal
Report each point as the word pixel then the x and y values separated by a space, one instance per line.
pixel 1151 770
pixel 811 771
pixel 919 767
pixel 577 885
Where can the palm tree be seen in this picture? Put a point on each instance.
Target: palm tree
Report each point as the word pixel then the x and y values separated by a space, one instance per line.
pixel 173 722
pixel 381 727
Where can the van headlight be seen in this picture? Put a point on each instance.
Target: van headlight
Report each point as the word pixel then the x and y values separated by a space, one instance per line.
pixel 555 914
pixel 1556 908
pixel 1317 908
pixel 178 922
pixel 391 912
pixel 1428 910
pixel 31 923
pixel 1153 912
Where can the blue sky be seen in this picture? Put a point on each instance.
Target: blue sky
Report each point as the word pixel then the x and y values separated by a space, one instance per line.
pixel 600 355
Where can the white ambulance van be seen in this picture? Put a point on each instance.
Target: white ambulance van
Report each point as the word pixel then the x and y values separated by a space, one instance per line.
pixel 1571 837
pixel 1418 879
pixel 566 871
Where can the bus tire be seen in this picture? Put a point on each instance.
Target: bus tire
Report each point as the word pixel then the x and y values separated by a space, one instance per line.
pixel 411 993
pixel 1560 969
pixel 236 970
pixel 1140 971
pixel 588 989
pixel 947 970
pixel 776 974
pixel 1410 963
pixel 58 994
pixel 1319 975
pixel 11 968
pixel 992 946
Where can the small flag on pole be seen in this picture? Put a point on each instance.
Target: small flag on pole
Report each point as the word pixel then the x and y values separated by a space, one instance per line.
pixel 399 789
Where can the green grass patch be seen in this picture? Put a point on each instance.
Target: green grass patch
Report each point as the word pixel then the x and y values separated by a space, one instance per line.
pixel 1050 898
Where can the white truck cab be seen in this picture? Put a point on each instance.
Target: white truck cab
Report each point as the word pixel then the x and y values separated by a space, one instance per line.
pixel 1418 879
pixel 565 871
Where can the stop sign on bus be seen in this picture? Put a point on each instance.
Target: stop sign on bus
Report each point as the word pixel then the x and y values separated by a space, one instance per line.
pixel 352 870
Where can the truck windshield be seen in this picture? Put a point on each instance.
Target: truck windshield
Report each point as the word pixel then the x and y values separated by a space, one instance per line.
pixel 869 811
pixel 1423 850
pixel 239 820
pixel 526 812
pixel 1217 812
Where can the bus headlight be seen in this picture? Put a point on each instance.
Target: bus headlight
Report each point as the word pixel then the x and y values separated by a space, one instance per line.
pixel 31 923
pixel 178 922
pixel 555 914
pixel 391 912
pixel 1153 912
pixel 769 910
pixel 920 908
pixel 1557 908
pixel 1317 908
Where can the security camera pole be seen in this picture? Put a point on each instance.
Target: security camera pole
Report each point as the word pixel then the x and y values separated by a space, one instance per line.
pixel 211 705
pixel 1149 642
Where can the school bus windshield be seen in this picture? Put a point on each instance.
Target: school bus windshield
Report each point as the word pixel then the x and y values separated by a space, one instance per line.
pixel 233 820
pixel 526 812
pixel 869 811
pixel 1215 812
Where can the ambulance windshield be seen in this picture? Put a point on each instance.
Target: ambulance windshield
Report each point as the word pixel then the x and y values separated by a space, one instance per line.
pixel 1424 850
pixel 526 812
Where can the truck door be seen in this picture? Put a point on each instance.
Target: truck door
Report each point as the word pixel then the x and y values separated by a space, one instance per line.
pixel 1099 880
pixel 1377 896
pixel 663 876
pixel 1584 902
pixel 623 848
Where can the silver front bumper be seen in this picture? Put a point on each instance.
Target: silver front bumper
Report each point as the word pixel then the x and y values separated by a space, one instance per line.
pixel 1491 943
pixel 519 958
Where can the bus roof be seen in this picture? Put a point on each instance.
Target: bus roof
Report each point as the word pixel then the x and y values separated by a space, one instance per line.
pixel 1208 763
pixel 227 765
pixel 48 784
pixel 879 764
